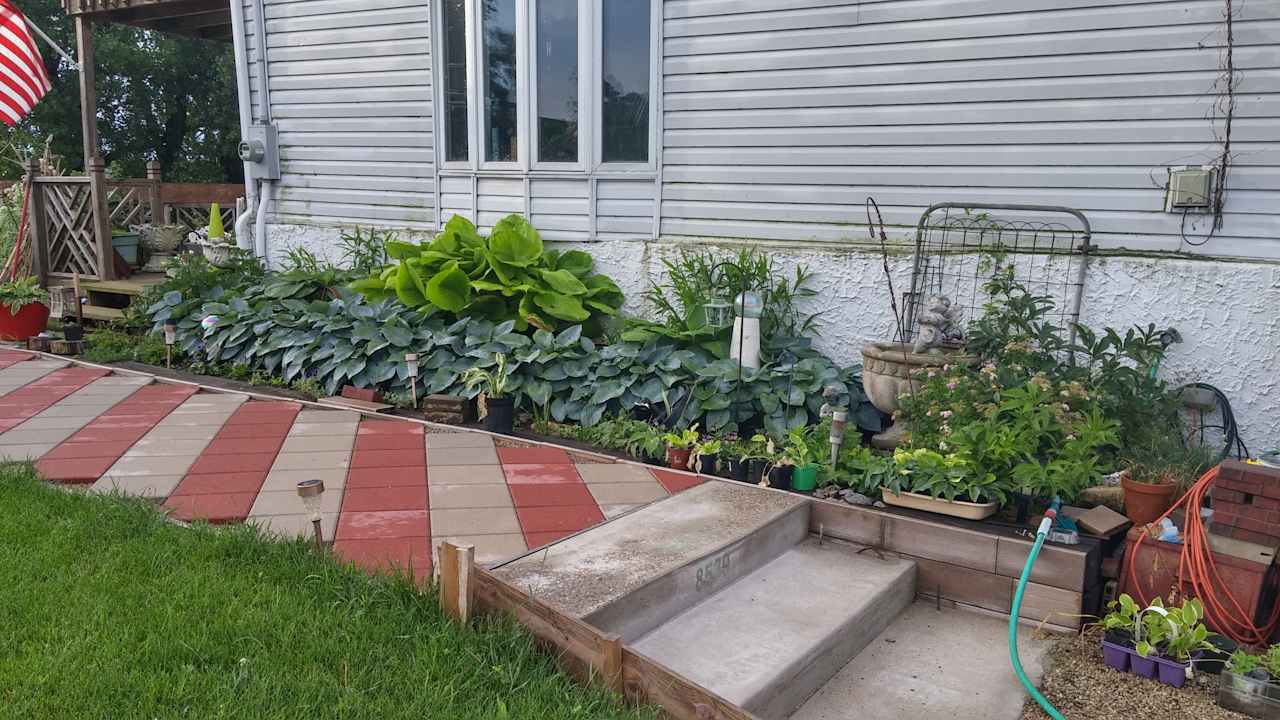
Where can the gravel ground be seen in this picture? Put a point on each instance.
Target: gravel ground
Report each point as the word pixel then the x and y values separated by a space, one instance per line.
pixel 1078 683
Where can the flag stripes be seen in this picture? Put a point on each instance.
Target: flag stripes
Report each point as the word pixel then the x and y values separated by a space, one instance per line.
pixel 23 80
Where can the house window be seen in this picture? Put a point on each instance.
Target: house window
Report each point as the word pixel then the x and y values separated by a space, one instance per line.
pixel 454 77
pixel 624 88
pixel 559 85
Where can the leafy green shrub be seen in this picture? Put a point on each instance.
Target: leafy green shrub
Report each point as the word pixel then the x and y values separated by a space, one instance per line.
pixel 19 293
pixel 507 276
pixel 109 346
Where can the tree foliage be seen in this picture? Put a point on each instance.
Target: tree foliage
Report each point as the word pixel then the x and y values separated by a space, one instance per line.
pixel 160 97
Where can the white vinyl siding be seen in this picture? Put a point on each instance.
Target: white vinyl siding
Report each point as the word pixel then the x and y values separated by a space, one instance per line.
pixel 351 95
pixel 779 120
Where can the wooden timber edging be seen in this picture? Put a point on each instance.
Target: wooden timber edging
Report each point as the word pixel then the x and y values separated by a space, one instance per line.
pixel 973 567
pixel 583 650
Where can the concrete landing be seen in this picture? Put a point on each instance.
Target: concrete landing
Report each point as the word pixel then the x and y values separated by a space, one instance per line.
pixel 932 664
pixel 770 640
pixel 635 572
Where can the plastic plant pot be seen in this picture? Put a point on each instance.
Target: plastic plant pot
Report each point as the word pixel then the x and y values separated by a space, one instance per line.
pixel 805 478
pixel 1116 656
pixel 736 469
pixel 72 332
pixel 755 470
pixel 678 458
pixel 1144 502
pixel 1171 672
pixel 708 464
pixel 31 319
pixel 780 476
pixel 1143 666
pixel 501 415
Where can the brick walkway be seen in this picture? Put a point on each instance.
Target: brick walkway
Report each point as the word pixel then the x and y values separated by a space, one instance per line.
pixel 394 488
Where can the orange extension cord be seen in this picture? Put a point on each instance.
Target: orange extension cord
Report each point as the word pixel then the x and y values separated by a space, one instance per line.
pixel 1197 566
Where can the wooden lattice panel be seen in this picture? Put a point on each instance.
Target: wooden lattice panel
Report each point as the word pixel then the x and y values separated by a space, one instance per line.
pixel 68 210
pixel 194 217
pixel 130 204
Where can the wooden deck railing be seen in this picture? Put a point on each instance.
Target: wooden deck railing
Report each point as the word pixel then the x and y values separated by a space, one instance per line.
pixel 71 224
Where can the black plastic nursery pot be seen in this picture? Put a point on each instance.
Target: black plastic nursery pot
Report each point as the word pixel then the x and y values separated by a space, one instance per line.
pixel 780 476
pixel 707 464
pixel 72 332
pixel 735 469
pixel 501 415
pixel 755 470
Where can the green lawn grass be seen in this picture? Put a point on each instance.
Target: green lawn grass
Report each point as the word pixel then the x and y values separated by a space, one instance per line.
pixel 107 611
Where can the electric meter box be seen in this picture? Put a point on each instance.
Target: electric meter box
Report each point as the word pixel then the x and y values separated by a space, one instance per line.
pixel 261 149
pixel 1190 188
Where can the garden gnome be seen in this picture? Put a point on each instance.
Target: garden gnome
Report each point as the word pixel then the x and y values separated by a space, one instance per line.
pixel 939 323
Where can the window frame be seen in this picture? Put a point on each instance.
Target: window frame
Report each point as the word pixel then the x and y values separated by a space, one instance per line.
pixel 590 95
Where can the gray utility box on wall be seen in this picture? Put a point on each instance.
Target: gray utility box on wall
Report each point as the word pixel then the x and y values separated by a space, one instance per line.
pixel 261 149
pixel 1190 188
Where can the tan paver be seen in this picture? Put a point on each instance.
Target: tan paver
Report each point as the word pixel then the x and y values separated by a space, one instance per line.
pixel 613 511
pixel 317 443
pixel 494 521
pixel 164 446
pixel 461 456
pixel 287 502
pixel 490 549
pixel 457 440
pixel 295 525
pixel 475 495
pixel 145 464
pixel 628 493
pixel 281 480
pixel 327 416
pixel 312 460
pixel 24 453
pixel 464 474
pixel 322 428
pixel 613 473
pixel 157 487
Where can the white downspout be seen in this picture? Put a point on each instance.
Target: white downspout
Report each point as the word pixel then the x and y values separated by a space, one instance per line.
pixel 264 93
pixel 245 102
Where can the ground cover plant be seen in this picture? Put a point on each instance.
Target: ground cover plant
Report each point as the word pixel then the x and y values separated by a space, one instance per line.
pixel 110 611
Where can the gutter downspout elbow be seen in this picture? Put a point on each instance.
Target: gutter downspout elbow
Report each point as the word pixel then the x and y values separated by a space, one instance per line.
pixel 260 222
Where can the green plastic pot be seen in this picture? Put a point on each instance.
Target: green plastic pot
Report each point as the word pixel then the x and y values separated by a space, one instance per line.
pixel 805 478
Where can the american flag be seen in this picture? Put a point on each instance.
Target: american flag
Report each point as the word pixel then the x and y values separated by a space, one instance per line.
pixel 23 80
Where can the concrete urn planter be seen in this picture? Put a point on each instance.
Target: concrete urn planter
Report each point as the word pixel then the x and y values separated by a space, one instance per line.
pixel 887 370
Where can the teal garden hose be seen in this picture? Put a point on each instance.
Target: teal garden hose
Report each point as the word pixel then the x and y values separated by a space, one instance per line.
pixel 1043 532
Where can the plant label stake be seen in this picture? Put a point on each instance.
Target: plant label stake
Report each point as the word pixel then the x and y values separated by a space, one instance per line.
pixel 170 337
pixel 411 361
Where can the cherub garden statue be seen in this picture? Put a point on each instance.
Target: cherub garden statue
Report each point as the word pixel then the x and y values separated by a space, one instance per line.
pixel 939 324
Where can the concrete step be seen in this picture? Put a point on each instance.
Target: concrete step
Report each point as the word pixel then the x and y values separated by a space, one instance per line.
pixel 770 640
pixel 631 575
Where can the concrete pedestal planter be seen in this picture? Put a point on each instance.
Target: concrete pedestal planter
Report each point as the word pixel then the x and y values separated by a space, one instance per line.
pixel 888 372
pixel 954 508
pixel 218 254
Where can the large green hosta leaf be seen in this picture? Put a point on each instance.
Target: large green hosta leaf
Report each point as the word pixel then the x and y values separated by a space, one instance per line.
pixel 564 307
pixel 449 289
pixel 515 242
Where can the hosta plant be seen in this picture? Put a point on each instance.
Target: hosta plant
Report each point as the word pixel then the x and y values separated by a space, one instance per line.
pixel 508 275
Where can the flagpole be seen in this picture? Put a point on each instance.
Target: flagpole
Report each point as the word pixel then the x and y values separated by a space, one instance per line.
pixel 65 55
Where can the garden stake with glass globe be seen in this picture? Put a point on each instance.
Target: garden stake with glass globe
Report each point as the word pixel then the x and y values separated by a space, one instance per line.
pixel 170 337
pixel 312 492
pixel 411 361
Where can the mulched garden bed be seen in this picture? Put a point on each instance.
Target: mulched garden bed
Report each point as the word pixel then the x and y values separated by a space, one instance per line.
pixel 1078 683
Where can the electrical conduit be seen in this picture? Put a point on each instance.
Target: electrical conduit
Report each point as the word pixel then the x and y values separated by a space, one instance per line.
pixel 1043 532
pixel 264 95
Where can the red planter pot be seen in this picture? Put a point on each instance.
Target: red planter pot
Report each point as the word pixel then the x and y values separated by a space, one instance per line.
pixel 30 320
pixel 678 458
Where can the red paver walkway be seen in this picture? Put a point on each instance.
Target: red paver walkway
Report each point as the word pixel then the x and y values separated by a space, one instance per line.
pixel 225 479
pixel 29 400
pixel 85 456
pixel 394 490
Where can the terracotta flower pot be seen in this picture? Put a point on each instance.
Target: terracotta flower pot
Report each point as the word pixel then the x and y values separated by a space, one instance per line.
pixel 31 319
pixel 1145 502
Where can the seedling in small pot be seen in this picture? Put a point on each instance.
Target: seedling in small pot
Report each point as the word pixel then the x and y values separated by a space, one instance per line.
pixel 680 447
pixel 707 456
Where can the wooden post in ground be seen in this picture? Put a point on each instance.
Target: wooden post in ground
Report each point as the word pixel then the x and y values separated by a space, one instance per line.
pixel 154 186
pixel 611 663
pixel 457 580
pixel 93 165
pixel 38 229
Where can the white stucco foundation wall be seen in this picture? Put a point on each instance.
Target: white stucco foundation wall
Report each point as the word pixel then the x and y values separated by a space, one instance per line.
pixel 1228 312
